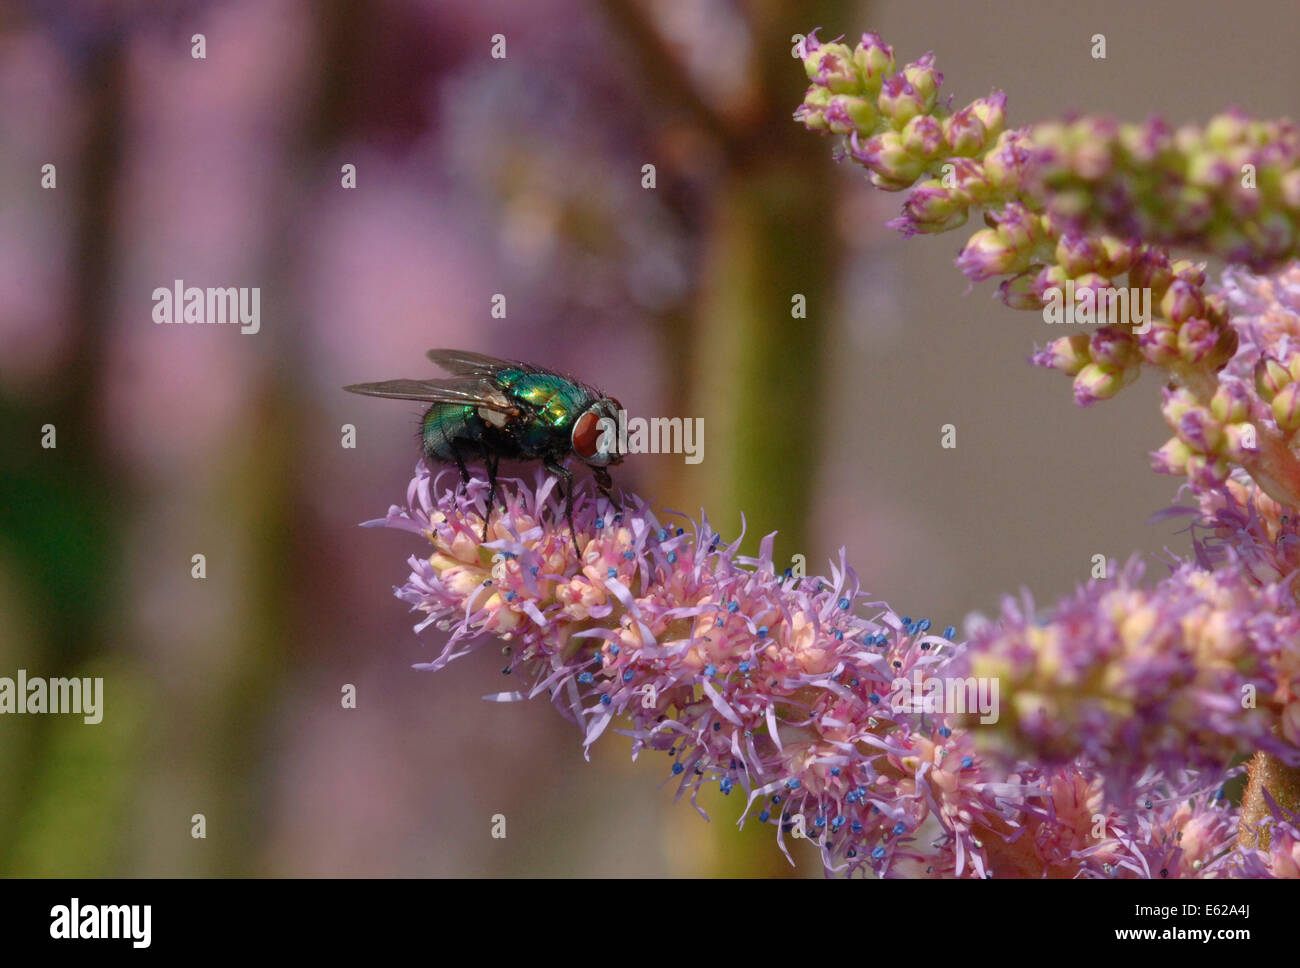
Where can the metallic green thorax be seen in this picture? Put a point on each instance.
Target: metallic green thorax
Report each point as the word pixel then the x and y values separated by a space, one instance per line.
pixel 559 401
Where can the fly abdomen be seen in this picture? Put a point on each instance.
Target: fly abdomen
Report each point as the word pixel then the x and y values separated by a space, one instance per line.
pixel 448 427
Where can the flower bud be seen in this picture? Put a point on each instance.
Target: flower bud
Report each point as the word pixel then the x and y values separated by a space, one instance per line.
pixel 1197 429
pixel 885 155
pixel 1096 382
pixel 812 113
pixel 1230 403
pixel 1021 292
pixel 1077 253
pixel 1018 227
pixel 899 101
pixel 986 254
pixel 1196 340
pixel 1069 354
pixel 1171 458
pixel 1239 441
pixel 1112 347
pixel 1159 344
pixel 931 208
pixel 1270 378
pixel 925 79
pixel 831 65
pixel 964 133
pixel 1150 270
pixel 991 112
pixel 1181 301
pixel 873 59
pixel 923 137
pixel 846 114
pixel 1286 407
pixel 1178 402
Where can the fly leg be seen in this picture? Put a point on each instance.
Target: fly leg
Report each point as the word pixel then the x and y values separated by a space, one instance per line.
pixel 491 460
pixel 606 485
pixel 559 470
pixel 460 463
pixel 464 480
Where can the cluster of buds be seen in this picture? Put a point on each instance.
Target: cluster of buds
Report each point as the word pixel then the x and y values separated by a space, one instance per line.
pixel 891 117
pixel 1208 438
pixel 1183 329
pixel 1080 216
pixel 1230 188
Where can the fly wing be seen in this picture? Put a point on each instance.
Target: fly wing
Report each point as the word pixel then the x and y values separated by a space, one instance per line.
pixel 465 363
pixel 471 392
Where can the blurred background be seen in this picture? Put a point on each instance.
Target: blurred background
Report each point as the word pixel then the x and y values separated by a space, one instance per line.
pixel 477 176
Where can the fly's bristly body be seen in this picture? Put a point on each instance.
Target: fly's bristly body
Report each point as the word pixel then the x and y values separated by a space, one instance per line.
pixel 501 410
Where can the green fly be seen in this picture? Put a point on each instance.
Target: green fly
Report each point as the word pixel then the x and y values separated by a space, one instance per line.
pixel 495 409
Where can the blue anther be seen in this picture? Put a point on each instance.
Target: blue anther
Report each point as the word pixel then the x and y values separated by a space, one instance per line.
pixel 733 607
pixel 678 768
pixel 792 784
pixel 949 633
pixel 856 827
pixel 725 785
pixel 629 555
pixel 967 762
pixel 900 827
pixel 672 557
pixel 844 604
pixel 629 675
pixel 611 572
pixel 878 853
pixel 762 631
pixel 837 823
pixel 585 677
pixel 605 700
pixel 600 523
pixel 710 670
pixel 945 732
pixel 764 817
pixel 835 771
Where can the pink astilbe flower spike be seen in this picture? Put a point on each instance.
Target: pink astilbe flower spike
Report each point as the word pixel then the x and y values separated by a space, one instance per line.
pixel 774 687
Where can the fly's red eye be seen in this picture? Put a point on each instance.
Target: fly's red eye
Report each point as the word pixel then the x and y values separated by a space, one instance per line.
pixel 586 435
